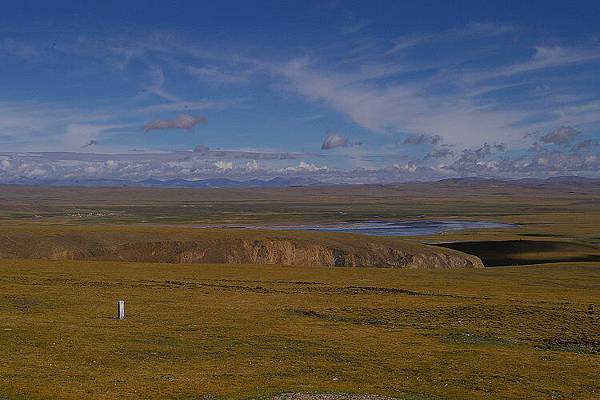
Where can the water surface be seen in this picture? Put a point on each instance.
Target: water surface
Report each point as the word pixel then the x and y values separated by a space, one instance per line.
pixel 391 228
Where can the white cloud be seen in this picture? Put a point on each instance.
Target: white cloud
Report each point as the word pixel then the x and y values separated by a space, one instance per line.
pixel 252 165
pixel 544 58
pixel 409 168
pixel 355 26
pixel 398 108
pixel 81 135
pixel 334 140
pixel 156 85
pixel 111 164
pixel 306 167
pixel 561 135
pixel 224 165
pixel 183 106
pixel 473 29
pixel 390 94
pixel 409 41
pixel 216 75
pixel 481 161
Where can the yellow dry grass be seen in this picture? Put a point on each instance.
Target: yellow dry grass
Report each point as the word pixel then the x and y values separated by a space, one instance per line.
pixel 249 331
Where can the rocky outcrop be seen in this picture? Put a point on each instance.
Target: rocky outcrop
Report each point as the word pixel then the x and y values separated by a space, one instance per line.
pixel 274 251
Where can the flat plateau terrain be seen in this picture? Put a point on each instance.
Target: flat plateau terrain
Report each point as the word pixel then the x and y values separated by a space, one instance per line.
pixel 244 331
pixel 256 331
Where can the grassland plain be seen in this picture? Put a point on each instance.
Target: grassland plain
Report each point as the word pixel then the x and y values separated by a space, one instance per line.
pixel 565 214
pixel 542 209
pixel 249 331
pixel 231 331
pixel 552 211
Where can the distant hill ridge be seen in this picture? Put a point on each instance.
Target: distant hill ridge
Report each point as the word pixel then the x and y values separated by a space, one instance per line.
pixel 278 182
pixel 171 183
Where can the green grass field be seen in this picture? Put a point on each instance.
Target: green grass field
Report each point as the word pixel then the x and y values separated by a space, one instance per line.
pixel 248 331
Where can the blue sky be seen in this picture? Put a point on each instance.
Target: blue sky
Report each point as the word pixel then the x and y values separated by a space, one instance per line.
pixel 338 91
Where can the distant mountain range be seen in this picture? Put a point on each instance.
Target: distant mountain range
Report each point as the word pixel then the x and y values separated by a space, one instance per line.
pixel 533 181
pixel 171 183
pixel 280 182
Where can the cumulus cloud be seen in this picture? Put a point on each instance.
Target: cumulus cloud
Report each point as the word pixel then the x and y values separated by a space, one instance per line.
pixel 422 139
pixel 554 163
pixel 439 153
pixel 306 167
pixel 110 164
pixel 252 165
pixel 182 121
pixel 408 168
pixel 224 165
pixel 562 135
pixel 474 160
pixel 334 140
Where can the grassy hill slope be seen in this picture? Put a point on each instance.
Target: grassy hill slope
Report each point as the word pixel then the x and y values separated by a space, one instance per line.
pixel 231 246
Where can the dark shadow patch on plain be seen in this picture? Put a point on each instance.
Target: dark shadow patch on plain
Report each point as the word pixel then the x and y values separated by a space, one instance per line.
pixel 519 252
pixel 582 345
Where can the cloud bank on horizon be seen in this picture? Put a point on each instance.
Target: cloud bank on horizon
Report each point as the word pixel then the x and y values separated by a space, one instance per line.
pixel 508 94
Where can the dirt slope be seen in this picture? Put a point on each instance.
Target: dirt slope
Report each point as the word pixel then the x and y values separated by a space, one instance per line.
pixel 182 246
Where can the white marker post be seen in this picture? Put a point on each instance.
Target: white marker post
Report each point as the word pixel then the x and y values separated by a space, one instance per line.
pixel 121 309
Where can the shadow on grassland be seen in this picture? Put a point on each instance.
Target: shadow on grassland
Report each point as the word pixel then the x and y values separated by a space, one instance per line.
pixel 525 252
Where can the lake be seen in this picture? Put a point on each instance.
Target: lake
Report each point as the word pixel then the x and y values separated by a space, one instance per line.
pixel 391 228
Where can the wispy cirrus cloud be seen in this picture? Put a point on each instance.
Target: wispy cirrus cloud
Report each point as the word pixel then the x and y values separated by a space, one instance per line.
pixel 473 29
pixel 27 124
pixel 464 106
pixel 219 75
pixel 184 105
pixel 17 48
pixel 396 108
pixel 355 26
pixel 544 57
